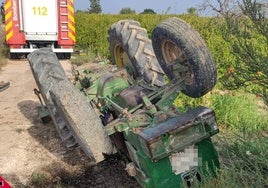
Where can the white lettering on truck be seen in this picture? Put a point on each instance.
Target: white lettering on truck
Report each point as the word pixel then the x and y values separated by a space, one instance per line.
pixel 15 10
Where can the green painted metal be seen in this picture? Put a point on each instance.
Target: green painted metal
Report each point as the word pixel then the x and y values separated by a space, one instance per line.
pixel 170 93
pixel 138 120
pixel 159 174
pixel 156 134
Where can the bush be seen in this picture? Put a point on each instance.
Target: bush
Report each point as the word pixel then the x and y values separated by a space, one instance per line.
pixel 92 30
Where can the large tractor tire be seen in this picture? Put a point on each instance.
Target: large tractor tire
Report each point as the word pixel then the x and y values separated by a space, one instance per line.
pixel 82 120
pixel 131 48
pixel 50 77
pixel 183 54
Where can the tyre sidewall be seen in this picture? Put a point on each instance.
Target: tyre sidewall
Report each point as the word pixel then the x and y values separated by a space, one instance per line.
pixel 197 54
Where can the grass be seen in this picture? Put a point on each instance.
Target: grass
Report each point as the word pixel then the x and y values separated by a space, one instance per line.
pixel 3 48
pixel 40 177
pixel 19 130
pixel 44 179
pixel 53 175
pixel 81 57
pixel 239 112
pixel 242 143
pixel 243 139
pixel 243 159
pixel 243 148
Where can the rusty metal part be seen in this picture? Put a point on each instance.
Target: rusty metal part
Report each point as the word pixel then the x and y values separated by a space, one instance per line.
pixel 176 133
pixel 132 96
pixel 177 61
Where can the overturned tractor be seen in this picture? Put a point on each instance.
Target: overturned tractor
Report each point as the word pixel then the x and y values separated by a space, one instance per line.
pixel 128 108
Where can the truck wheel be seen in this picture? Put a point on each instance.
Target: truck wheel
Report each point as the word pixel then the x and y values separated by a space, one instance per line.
pixel 48 73
pixel 82 120
pixel 183 54
pixel 13 56
pixel 131 48
pixel 67 55
pixel 63 56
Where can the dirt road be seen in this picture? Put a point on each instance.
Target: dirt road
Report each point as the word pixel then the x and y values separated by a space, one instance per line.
pixel 20 153
pixel 31 154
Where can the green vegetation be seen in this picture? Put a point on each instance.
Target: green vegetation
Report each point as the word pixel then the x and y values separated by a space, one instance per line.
pixel 3 49
pixel 92 34
pixel 192 10
pixel 243 141
pixel 40 178
pixel 239 112
pixel 95 7
pixel 83 56
pixel 148 11
pixel 92 30
pixel 127 11
pixel 247 33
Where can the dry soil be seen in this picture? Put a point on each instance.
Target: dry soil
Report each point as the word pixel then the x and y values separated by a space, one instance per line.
pixel 31 153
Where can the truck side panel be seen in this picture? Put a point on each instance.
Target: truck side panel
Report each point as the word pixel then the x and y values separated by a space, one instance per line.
pixel 66 29
pixel 14 37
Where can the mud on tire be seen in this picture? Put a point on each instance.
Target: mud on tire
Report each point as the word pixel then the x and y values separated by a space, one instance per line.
pixel 49 76
pixel 183 54
pixel 131 48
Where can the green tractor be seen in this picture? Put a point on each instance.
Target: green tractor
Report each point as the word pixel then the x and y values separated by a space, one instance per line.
pixel 128 108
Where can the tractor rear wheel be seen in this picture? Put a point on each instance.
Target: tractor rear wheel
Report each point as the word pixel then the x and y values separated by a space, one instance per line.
pixel 183 54
pixel 131 48
pixel 49 75
pixel 82 120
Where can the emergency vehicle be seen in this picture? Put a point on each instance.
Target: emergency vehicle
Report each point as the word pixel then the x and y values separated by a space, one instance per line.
pixel 34 24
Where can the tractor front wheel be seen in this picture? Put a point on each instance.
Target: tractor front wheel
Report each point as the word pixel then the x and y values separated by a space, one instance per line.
pixel 183 54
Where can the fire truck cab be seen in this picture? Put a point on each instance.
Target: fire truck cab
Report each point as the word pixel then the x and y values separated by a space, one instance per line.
pixel 34 24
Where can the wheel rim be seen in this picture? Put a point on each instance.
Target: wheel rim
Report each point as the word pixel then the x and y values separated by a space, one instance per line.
pixel 62 125
pixel 122 60
pixel 177 62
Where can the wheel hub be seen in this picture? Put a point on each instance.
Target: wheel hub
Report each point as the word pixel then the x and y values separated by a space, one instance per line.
pixel 177 62
pixel 122 60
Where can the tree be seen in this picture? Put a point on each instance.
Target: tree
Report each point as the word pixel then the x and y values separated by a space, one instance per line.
pixel 221 7
pixel 148 11
pixel 168 9
pixel 192 10
pixel 247 33
pixel 127 11
pixel 95 7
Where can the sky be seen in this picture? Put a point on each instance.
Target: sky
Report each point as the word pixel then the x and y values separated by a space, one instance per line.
pixel 159 6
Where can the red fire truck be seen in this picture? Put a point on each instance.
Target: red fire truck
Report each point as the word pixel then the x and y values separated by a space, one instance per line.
pixel 34 24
